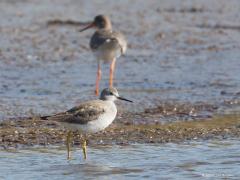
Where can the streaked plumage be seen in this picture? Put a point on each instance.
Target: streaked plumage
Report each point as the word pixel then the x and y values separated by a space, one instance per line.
pixel 88 117
pixel 91 116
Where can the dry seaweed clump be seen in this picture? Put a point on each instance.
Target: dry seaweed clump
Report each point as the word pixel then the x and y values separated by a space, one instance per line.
pixel 29 132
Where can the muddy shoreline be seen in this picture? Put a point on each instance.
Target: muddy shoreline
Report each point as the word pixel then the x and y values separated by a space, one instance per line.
pixel 31 132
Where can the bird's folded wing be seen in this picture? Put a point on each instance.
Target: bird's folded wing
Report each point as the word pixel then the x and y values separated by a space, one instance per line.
pixel 115 39
pixel 121 41
pixel 80 115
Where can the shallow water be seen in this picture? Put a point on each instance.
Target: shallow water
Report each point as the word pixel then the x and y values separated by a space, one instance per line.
pixel 171 56
pixel 215 159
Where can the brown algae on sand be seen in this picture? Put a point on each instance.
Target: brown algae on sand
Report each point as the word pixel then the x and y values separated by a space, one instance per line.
pixel 29 132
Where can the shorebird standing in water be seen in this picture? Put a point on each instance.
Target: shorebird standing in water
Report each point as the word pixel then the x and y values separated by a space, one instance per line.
pixel 106 44
pixel 89 117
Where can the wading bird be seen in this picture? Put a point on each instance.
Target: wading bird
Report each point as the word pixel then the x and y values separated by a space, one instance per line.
pixel 106 45
pixel 89 117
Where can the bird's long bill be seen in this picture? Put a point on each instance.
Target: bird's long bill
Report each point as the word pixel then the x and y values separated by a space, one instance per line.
pixel 121 98
pixel 87 27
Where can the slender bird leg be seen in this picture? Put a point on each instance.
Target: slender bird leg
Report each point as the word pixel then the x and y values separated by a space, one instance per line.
pixel 99 73
pixel 68 144
pixel 84 147
pixel 112 67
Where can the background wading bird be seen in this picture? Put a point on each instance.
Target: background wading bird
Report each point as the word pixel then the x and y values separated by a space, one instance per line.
pixel 107 45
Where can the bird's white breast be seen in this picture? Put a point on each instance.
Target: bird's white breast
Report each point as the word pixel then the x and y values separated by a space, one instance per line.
pixel 103 120
pixel 108 51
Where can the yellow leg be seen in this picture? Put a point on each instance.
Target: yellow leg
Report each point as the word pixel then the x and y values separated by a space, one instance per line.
pixel 68 144
pixel 84 148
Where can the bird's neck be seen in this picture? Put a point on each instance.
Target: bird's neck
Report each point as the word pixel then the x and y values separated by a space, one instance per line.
pixel 112 105
pixel 104 31
pixel 107 27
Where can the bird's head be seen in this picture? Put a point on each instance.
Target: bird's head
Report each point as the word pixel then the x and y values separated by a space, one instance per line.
pixel 111 94
pixel 99 22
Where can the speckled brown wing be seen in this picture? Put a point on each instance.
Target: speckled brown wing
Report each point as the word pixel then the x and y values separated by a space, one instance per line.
pixel 81 114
